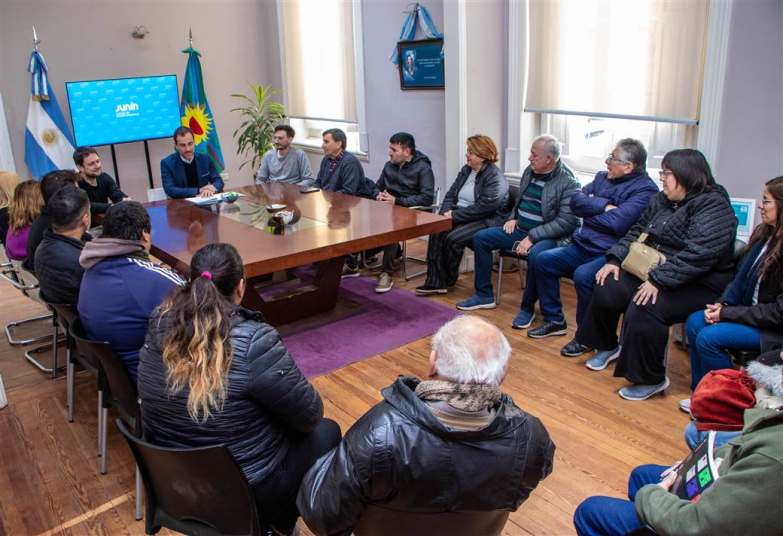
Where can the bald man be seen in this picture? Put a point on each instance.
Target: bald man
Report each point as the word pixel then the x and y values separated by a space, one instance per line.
pixel 394 457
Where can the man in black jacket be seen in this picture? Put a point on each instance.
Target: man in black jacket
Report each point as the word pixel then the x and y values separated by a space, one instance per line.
pixel 50 185
pixel 540 217
pixel 454 442
pixel 406 180
pixel 57 257
pixel 100 186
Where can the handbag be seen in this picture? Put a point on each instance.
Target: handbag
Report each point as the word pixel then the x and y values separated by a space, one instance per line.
pixel 642 258
pixel 721 398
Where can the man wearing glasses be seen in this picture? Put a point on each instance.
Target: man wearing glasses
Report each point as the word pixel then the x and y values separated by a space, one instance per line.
pixel 608 206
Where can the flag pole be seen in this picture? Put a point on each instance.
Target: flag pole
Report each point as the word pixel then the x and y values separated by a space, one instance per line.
pixel 190 37
pixel 36 41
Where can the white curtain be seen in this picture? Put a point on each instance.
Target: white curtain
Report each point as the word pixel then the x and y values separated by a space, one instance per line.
pixel 6 156
pixel 640 59
pixel 319 59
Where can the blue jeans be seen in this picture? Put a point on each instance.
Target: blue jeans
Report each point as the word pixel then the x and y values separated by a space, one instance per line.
pixel 707 344
pixel 607 516
pixel 488 240
pixel 569 261
pixel 694 437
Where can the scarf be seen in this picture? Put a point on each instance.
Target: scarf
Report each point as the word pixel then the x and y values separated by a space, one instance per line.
pixel 463 396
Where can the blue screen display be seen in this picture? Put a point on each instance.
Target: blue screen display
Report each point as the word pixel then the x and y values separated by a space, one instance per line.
pixel 123 109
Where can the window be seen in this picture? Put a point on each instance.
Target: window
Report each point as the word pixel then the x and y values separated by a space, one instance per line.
pixel 322 68
pixel 602 70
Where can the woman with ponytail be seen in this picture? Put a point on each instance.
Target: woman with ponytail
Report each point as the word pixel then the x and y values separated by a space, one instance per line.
pixel 212 372
pixel 749 314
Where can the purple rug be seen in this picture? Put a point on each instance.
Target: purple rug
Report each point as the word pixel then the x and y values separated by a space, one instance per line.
pixel 377 323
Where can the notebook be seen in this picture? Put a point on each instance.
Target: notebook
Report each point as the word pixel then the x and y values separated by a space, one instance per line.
pixel 698 471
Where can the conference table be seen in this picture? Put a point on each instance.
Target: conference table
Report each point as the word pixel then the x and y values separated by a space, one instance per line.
pixel 327 226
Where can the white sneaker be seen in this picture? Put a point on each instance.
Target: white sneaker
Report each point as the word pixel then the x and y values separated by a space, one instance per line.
pixel 685 405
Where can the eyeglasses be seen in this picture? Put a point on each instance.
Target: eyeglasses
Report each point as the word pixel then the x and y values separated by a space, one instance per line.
pixel 662 174
pixel 611 158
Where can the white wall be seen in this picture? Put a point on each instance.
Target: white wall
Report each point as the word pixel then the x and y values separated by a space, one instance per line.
pixel 486 61
pixel 750 149
pixel 89 39
pixel 388 108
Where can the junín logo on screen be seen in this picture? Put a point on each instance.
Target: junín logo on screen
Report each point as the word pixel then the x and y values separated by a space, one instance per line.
pixel 130 109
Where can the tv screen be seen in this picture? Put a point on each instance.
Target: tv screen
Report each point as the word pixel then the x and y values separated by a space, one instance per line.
pixel 123 109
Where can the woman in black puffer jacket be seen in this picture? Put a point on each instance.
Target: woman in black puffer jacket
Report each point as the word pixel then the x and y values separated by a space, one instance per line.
pixel 692 223
pixel 212 372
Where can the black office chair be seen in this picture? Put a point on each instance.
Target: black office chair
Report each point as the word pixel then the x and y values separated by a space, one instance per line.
pixel 200 491
pixel 377 521
pixel 119 392
pixel 740 358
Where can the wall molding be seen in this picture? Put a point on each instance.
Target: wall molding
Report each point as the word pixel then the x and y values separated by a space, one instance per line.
pixel 713 85
pixel 456 98
pixel 516 70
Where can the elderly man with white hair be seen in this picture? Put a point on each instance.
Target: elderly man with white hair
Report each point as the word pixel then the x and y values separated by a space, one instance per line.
pixel 540 216
pixel 453 442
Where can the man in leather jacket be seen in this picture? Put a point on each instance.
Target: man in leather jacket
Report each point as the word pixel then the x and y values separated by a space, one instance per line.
pixel 453 442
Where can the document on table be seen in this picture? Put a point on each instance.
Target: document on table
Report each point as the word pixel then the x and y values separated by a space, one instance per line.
pixel 216 198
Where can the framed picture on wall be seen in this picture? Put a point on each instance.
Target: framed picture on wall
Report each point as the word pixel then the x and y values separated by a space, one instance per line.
pixel 421 64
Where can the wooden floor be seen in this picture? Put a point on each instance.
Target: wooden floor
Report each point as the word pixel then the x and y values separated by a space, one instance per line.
pixel 50 482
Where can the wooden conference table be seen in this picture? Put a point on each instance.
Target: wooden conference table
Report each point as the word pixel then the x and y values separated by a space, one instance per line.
pixel 331 226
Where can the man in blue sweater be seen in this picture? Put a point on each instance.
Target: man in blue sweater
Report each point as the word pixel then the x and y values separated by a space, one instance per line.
pixel 121 286
pixel 608 206
pixel 186 173
pixel 340 171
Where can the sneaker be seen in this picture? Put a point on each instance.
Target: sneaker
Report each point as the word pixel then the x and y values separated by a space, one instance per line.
pixel 425 290
pixel 350 271
pixel 602 359
pixel 476 302
pixel 643 392
pixel 685 405
pixel 523 319
pixel 574 349
pixel 372 262
pixel 385 283
pixel 549 329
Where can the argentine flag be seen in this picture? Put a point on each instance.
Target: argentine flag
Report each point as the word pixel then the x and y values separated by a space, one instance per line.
pixel 48 143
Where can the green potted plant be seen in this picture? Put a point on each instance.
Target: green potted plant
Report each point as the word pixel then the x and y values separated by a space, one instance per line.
pixel 260 115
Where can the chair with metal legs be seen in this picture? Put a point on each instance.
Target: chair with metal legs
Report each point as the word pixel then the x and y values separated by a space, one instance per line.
pixel 119 392
pixel 507 254
pixel 405 257
pixel 13 276
pixel 66 315
pixel 195 490
pixel 27 284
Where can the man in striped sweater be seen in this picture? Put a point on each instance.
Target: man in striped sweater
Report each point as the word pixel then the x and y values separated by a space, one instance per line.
pixel 541 216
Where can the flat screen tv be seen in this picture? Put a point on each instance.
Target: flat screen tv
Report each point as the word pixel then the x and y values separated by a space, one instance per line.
pixel 122 110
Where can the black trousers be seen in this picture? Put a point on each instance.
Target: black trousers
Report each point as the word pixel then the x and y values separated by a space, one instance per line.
pixel 390 254
pixel 645 331
pixel 444 253
pixel 276 495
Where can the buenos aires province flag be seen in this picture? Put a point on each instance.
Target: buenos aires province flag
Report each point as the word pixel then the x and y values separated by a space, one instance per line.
pixel 195 111
pixel 48 143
